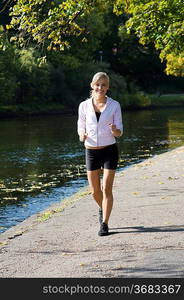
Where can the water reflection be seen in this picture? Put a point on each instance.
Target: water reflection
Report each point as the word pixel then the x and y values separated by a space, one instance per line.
pixel 42 160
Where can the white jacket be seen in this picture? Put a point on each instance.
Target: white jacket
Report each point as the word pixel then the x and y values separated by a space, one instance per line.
pixel 99 133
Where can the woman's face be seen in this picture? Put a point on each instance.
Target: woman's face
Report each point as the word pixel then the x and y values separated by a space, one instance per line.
pixel 100 87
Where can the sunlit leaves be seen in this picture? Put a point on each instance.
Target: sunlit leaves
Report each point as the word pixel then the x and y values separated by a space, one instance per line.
pixel 175 64
pixel 53 23
pixel 119 7
pixel 160 22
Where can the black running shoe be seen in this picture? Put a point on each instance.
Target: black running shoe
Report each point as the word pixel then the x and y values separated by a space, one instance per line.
pixel 100 216
pixel 104 230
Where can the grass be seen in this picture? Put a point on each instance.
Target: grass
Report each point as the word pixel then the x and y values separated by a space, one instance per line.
pixel 3 243
pixel 68 201
pixel 167 100
pixel 141 100
pixel 48 214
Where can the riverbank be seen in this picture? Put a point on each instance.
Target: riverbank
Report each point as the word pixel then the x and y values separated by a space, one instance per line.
pixel 146 230
pixel 34 109
pixel 40 109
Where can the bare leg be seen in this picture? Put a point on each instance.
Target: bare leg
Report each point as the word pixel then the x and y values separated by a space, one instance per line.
pixel 95 185
pixel 107 203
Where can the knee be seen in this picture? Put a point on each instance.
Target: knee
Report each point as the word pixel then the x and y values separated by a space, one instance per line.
pixel 95 193
pixel 107 191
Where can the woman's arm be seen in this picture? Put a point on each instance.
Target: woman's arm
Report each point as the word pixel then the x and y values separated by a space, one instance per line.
pixel 81 123
pixel 115 131
pixel 117 126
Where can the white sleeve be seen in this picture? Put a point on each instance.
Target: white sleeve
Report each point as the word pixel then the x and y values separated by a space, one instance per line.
pixel 81 123
pixel 118 118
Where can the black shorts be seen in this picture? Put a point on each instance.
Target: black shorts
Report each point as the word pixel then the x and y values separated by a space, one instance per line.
pixel 106 158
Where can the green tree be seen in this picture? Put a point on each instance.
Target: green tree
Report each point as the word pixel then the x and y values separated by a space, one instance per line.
pixel 8 80
pixel 4 13
pixel 52 24
pixel 160 22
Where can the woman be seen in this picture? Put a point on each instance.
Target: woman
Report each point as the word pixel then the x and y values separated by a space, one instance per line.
pixel 99 124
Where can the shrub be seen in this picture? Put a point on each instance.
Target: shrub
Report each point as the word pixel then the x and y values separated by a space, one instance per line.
pixel 80 85
pixel 8 80
pixel 135 100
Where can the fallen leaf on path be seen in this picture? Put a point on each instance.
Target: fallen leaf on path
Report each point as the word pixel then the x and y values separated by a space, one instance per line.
pixel 3 243
pixel 82 265
pixel 135 193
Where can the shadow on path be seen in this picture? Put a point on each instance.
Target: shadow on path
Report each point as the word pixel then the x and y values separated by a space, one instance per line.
pixel 142 229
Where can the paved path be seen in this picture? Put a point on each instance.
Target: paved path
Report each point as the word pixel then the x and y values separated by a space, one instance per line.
pixel 146 230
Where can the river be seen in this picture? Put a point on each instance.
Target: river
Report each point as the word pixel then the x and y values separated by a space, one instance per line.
pixel 42 160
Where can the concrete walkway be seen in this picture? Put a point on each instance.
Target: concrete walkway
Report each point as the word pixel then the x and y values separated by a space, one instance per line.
pixel 146 230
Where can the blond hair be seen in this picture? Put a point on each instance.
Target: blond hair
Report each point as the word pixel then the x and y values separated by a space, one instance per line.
pixel 96 77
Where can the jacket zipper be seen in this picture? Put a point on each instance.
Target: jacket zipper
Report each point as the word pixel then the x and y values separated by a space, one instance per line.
pixel 97 135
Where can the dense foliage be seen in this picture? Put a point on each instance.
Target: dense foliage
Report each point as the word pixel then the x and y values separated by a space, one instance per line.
pixel 160 22
pixel 49 50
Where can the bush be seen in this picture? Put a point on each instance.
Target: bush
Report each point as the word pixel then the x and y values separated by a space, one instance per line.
pixel 135 101
pixel 33 77
pixel 118 86
pixel 168 100
pixel 22 79
pixel 80 85
pixel 8 80
pixel 8 85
